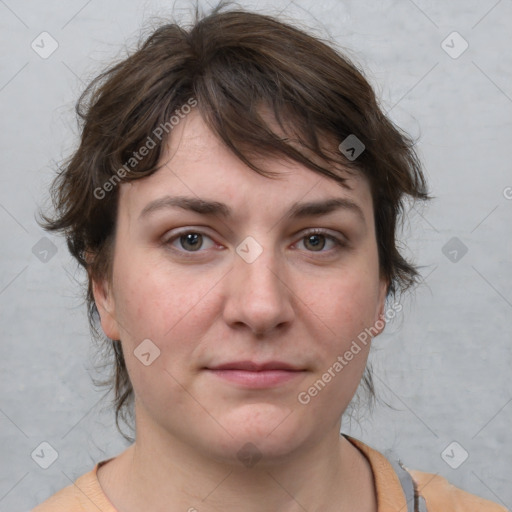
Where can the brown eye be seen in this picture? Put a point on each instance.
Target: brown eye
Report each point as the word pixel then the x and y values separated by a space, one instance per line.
pixel 315 242
pixel 189 241
pixel 318 240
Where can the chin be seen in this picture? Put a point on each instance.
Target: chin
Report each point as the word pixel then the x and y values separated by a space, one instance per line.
pixel 262 433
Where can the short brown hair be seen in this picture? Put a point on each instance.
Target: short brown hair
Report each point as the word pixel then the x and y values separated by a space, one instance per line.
pixel 230 63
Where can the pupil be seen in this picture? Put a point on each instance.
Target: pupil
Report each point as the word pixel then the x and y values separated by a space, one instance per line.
pixel 311 240
pixel 192 239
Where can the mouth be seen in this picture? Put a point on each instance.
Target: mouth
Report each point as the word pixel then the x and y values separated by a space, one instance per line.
pixel 249 374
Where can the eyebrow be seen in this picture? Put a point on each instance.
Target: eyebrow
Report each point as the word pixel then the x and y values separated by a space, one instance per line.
pixel 214 208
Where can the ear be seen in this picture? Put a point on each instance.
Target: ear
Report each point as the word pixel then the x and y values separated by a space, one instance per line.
pixel 104 299
pixel 379 320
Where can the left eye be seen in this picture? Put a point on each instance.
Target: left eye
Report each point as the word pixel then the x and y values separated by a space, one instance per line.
pixel 193 241
pixel 318 239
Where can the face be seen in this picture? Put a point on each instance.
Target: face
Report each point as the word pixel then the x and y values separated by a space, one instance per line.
pixel 217 266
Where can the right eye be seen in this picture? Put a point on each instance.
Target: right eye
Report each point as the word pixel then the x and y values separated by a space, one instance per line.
pixel 188 241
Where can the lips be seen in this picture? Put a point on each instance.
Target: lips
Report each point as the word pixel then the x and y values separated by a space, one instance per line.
pixel 248 374
pixel 251 366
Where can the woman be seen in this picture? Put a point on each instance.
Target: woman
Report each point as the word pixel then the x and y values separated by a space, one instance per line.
pixel 234 200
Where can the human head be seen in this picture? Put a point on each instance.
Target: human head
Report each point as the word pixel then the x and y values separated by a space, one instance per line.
pixel 231 66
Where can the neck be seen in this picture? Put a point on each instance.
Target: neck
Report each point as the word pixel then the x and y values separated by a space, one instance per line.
pixel 159 473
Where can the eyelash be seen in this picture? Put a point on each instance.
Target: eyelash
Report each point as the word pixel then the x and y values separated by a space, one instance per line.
pixel 339 242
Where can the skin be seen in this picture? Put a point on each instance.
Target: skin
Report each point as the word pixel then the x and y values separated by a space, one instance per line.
pixel 301 301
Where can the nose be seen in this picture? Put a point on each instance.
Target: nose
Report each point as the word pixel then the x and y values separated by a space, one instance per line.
pixel 258 295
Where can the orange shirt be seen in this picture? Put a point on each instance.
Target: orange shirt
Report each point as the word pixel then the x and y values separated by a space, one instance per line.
pixel 86 495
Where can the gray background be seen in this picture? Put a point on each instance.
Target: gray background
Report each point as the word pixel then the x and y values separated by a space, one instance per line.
pixel 444 364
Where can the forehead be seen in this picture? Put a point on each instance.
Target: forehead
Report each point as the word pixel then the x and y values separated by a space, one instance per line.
pixel 195 162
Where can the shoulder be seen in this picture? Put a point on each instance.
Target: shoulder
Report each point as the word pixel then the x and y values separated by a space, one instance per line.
pixel 84 495
pixel 441 496
pixel 64 500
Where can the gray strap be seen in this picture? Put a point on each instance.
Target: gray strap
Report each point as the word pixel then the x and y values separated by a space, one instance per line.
pixel 422 506
pixel 415 503
pixel 407 483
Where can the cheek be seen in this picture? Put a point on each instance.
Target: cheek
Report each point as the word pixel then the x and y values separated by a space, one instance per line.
pixel 151 299
pixel 163 307
pixel 346 304
pixel 341 350
pixel 169 307
pixel 342 346
pixel 341 311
